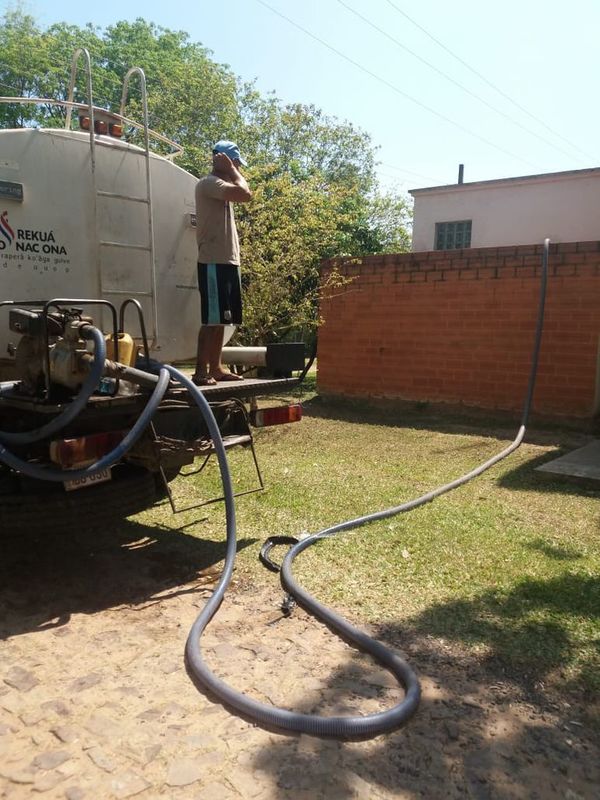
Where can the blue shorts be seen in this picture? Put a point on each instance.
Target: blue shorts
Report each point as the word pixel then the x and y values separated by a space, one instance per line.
pixel 220 294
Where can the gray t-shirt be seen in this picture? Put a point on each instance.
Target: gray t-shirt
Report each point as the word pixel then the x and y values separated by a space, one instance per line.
pixel 216 233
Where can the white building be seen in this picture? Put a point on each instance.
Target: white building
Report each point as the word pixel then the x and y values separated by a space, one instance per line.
pixel 564 206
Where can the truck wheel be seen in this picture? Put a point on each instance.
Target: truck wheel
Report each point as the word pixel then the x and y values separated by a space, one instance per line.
pixel 131 490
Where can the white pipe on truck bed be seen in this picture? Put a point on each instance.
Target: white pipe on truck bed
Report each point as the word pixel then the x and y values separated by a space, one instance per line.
pixel 245 356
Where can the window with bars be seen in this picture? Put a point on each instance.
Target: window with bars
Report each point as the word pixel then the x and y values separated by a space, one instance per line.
pixel 453 235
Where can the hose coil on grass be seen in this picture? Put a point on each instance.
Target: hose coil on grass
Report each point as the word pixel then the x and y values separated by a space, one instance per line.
pixel 356 727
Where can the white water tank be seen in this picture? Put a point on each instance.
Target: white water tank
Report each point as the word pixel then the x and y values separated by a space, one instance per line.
pixel 53 219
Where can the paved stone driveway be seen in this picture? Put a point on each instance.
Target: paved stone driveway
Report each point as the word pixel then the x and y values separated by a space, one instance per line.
pixel 95 701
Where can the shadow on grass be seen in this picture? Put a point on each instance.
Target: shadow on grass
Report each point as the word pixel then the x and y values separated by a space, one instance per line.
pixel 477 424
pixel 524 477
pixel 446 418
pixel 557 553
pixel 44 579
pixel 482 731
pixel 523 630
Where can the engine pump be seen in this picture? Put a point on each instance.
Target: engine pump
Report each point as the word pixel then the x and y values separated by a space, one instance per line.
pixel 49 341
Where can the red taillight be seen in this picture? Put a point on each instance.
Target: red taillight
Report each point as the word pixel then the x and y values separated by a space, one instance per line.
pixel 279 415
pixel 83 450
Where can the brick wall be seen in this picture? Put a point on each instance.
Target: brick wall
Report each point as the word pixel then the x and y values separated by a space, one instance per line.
pixel 458 326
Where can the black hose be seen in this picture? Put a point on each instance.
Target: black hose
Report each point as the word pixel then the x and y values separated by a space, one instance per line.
pixel 88 387
pixel 345 727
pixel 286 575
pixel 265 551
pixel 334 727
pixel 58 475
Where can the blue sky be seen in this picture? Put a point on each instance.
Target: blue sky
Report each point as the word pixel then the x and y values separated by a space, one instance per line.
pixel 424 119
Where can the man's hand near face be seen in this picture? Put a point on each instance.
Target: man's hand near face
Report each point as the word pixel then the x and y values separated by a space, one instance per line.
pixel 224 166
pixel 226 169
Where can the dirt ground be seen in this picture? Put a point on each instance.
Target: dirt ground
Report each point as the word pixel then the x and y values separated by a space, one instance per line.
pixel 95 701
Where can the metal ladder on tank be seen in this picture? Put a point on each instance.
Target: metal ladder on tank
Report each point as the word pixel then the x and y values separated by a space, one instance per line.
pixel 144 199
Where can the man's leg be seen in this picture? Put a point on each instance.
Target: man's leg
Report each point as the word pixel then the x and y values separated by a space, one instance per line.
pixel 203 351
pixel 201 356
pixel 230 309
pixel 223 300
pixel 215 367
pixel 217 334
pixel 204 354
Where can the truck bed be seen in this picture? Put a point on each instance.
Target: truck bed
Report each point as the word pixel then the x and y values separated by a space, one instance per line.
pixel 249 387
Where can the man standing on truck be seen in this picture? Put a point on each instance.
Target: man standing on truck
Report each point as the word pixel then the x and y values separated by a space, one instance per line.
pixel 218 259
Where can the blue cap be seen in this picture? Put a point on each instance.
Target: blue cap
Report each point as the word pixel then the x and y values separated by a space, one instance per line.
pixel 230 149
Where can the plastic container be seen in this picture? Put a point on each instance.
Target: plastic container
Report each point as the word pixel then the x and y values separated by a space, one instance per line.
pixel 127 349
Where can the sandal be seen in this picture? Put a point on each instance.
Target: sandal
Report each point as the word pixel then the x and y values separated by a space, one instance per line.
pixel 228 376
pixel 203 380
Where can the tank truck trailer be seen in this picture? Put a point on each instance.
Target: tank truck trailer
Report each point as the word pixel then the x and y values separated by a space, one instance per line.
pixel 98 287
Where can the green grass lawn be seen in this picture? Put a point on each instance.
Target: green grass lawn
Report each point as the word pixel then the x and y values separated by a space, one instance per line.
pixel 505 568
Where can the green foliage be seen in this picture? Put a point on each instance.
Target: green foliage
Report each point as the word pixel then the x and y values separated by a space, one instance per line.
pixel 288 228
pixel 389 223
pixel 314 197
pixel 25 71
pixel 313 177
pixel 305 142
pixel 191 99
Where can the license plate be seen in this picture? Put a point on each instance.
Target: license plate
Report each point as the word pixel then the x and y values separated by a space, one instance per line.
pixel 88 480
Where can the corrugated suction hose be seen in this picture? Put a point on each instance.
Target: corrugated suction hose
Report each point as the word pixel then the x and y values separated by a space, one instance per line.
pixel 357 727
pixel 335 727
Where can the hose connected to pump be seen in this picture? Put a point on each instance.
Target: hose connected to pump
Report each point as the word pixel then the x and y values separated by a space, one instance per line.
pixel 59 475
pixel 88 387
pixel 348 727
pixel 335 727
pixel 264 714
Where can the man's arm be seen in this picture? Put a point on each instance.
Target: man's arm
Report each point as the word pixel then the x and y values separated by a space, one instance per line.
pixel 236 188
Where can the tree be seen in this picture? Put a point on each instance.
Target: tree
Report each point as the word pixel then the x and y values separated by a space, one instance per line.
pixel 191 99
pixel 313 177
pixel 286 231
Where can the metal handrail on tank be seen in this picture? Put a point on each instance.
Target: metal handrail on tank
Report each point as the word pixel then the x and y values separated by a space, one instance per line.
pixel 124 96
pixel 49 101
pixel 82 51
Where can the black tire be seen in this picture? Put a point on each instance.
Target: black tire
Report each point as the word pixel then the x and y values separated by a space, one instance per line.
pixel 131 491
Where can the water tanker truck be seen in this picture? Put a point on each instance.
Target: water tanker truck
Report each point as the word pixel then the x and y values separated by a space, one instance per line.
pixel 98 287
